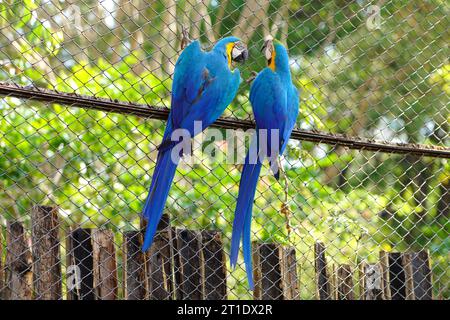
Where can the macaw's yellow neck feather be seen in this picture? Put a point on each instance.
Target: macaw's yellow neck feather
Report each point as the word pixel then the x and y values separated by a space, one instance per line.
pixel 272 61
pixel 230 47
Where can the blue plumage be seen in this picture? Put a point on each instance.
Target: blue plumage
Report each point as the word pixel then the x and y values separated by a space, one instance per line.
pixel 275 103
pixel 203 86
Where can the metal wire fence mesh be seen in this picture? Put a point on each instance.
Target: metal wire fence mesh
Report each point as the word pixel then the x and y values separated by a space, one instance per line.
pixel 377 71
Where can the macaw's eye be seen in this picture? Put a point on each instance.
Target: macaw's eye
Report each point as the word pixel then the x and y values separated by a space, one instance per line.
pixel 239 53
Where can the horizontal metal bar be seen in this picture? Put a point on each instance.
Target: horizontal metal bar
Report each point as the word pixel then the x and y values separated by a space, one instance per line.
pixel 153 112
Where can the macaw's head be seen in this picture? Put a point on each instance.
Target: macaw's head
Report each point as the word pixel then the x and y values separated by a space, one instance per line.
pixel 233 49
pixel 275 54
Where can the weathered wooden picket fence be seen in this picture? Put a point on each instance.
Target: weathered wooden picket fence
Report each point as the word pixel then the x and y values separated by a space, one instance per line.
pixel 183 264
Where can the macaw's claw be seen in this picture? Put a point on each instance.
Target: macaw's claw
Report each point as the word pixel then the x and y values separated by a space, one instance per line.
pixel 252 77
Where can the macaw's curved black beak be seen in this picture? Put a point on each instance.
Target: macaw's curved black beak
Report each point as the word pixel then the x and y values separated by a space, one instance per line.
pixel 240 52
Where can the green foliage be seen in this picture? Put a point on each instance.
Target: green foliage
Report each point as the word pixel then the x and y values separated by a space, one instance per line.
pixel 97 166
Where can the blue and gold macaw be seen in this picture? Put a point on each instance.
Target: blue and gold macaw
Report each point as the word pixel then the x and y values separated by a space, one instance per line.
pixel 275 102
pixel 204 84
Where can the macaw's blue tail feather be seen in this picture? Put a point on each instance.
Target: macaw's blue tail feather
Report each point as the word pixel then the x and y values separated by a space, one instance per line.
pixel 247 246
pixel 159 190
pixel 243 216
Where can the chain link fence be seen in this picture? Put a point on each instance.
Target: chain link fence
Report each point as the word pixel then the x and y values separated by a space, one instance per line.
pixel 85 89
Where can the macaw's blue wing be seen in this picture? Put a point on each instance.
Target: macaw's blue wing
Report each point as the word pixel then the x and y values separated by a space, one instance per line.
pixel 202 88
pixel 292 113
pixel 188 80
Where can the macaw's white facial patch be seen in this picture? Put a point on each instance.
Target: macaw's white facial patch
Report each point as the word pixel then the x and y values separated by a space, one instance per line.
pixel 235 53
pixel 268 52
pixel 239 52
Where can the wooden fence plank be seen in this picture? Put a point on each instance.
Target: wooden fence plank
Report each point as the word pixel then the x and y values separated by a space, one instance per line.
pixel 361 280
pixel 422 276
pixel 105 268
pixel 345 282
pixel 333 276
pixel 159 266
pixel 178 294
pixel 191 285
pixel 409 282
pixel 397 276
pixel 257 272
pixel 322 278
pixel 394 280
pixel 134 266
pixel 80 265
pixel 418 276
pixel 215 266
pixel 47 277
pixel 18 264
pixel 384 263
pixel 268 278
pixel 2 270
pixel 275 272
pixel 291 278
pixel 160 261
pixel 373 282
pixel 167 254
